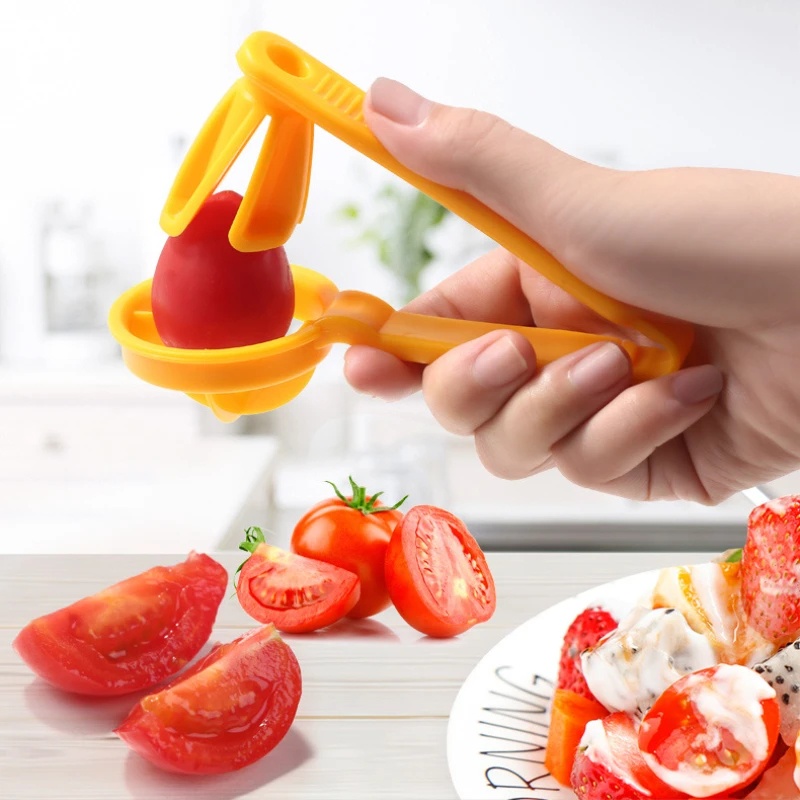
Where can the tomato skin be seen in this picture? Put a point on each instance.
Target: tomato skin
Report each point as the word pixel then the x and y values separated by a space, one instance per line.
pixel 206 294
pixel 432 553
pixel 131 635
pixel 674 733
pixel 224 713
pixel 346 537
pixel 309 594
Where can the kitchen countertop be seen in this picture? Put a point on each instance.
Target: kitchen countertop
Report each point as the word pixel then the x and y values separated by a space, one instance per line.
pixel 100 495
pixel 373 717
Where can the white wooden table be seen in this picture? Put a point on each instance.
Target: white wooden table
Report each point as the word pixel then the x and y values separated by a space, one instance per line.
pixel 372 721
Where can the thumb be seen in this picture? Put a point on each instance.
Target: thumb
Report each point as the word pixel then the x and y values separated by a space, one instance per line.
pixel 520 176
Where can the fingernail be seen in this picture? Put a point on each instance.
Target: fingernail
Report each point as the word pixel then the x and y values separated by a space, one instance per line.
pixel 398 103
pixel 696 384
pixel 499 364
pixel 600 369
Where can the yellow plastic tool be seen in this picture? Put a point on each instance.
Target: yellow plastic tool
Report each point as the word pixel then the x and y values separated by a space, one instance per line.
pixel 297 92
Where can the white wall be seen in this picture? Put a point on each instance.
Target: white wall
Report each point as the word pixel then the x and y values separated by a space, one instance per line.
pixel 95 95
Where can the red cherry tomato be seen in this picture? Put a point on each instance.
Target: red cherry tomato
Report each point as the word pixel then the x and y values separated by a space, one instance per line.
pixel 352 533
pixel 713 730
pixel 130 636
pixel 295 593
pixel 206 294
pixel 225 712
pixel 437 575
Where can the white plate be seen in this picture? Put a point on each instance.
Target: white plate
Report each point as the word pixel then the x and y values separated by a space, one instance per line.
pixel 499 721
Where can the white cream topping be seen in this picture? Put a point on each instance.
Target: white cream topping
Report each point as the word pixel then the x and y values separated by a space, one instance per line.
pixel 631 666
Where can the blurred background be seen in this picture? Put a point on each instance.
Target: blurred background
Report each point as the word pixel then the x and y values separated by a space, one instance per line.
pixel 99 103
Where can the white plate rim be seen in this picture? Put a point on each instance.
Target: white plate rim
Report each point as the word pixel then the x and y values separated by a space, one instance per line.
pixel 480 773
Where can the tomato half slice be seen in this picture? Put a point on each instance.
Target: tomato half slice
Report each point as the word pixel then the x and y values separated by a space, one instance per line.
pixel 711 731
pixel 130 636
pixel 225 712
pixel 437 575
pixel 295 593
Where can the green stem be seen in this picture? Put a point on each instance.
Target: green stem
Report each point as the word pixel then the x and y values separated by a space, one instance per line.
pixel 360 502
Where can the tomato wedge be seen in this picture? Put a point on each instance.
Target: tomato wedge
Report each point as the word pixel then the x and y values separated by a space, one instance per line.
pixel 712 731
pixel 294 593
pixel 225 712
pixel 436 573
pixel 130 636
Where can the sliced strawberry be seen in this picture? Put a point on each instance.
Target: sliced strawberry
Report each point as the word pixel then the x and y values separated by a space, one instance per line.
pixel 610 766
pixel 771 569
pixel 585 631
pixel 593 780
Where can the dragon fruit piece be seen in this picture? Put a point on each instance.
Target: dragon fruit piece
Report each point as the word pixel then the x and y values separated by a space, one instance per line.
pixel 631 666
pixel 782 673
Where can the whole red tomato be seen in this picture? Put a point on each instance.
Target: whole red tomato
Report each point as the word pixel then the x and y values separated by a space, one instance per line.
pixel 206 294
pixel 352 533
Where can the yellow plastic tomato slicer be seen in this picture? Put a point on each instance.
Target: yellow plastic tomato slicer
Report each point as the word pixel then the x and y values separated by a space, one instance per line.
pixel 298 92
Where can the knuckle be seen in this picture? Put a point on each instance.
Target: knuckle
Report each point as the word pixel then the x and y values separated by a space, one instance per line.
pixel 495 459
pixel 579 469
pixel 447 407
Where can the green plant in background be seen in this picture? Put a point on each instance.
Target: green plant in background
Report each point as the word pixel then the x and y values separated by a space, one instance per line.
pixel 398 227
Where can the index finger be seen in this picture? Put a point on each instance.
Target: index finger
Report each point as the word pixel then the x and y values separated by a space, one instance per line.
pixel 487 290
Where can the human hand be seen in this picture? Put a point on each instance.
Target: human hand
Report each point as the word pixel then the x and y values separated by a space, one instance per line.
pixel 717 248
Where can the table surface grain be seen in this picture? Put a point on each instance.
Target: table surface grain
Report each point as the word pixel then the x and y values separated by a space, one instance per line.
pixel 372 721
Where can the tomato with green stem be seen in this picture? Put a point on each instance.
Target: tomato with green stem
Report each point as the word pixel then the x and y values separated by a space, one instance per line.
pixel 225 712
pixel 352 533
pixel 131 635
pixel 295 593
pixel 437 575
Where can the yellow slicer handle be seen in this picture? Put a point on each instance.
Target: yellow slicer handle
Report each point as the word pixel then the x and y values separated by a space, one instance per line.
pixel 297 91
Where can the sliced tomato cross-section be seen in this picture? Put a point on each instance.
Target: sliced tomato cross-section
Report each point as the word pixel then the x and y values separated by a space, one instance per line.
pixel 712 731
pixel 437 575
pixel 295 593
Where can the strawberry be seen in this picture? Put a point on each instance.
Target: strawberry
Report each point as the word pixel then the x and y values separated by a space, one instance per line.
pixel 609 765
pixel 771 570
pixel 585 631
pixel 593 780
